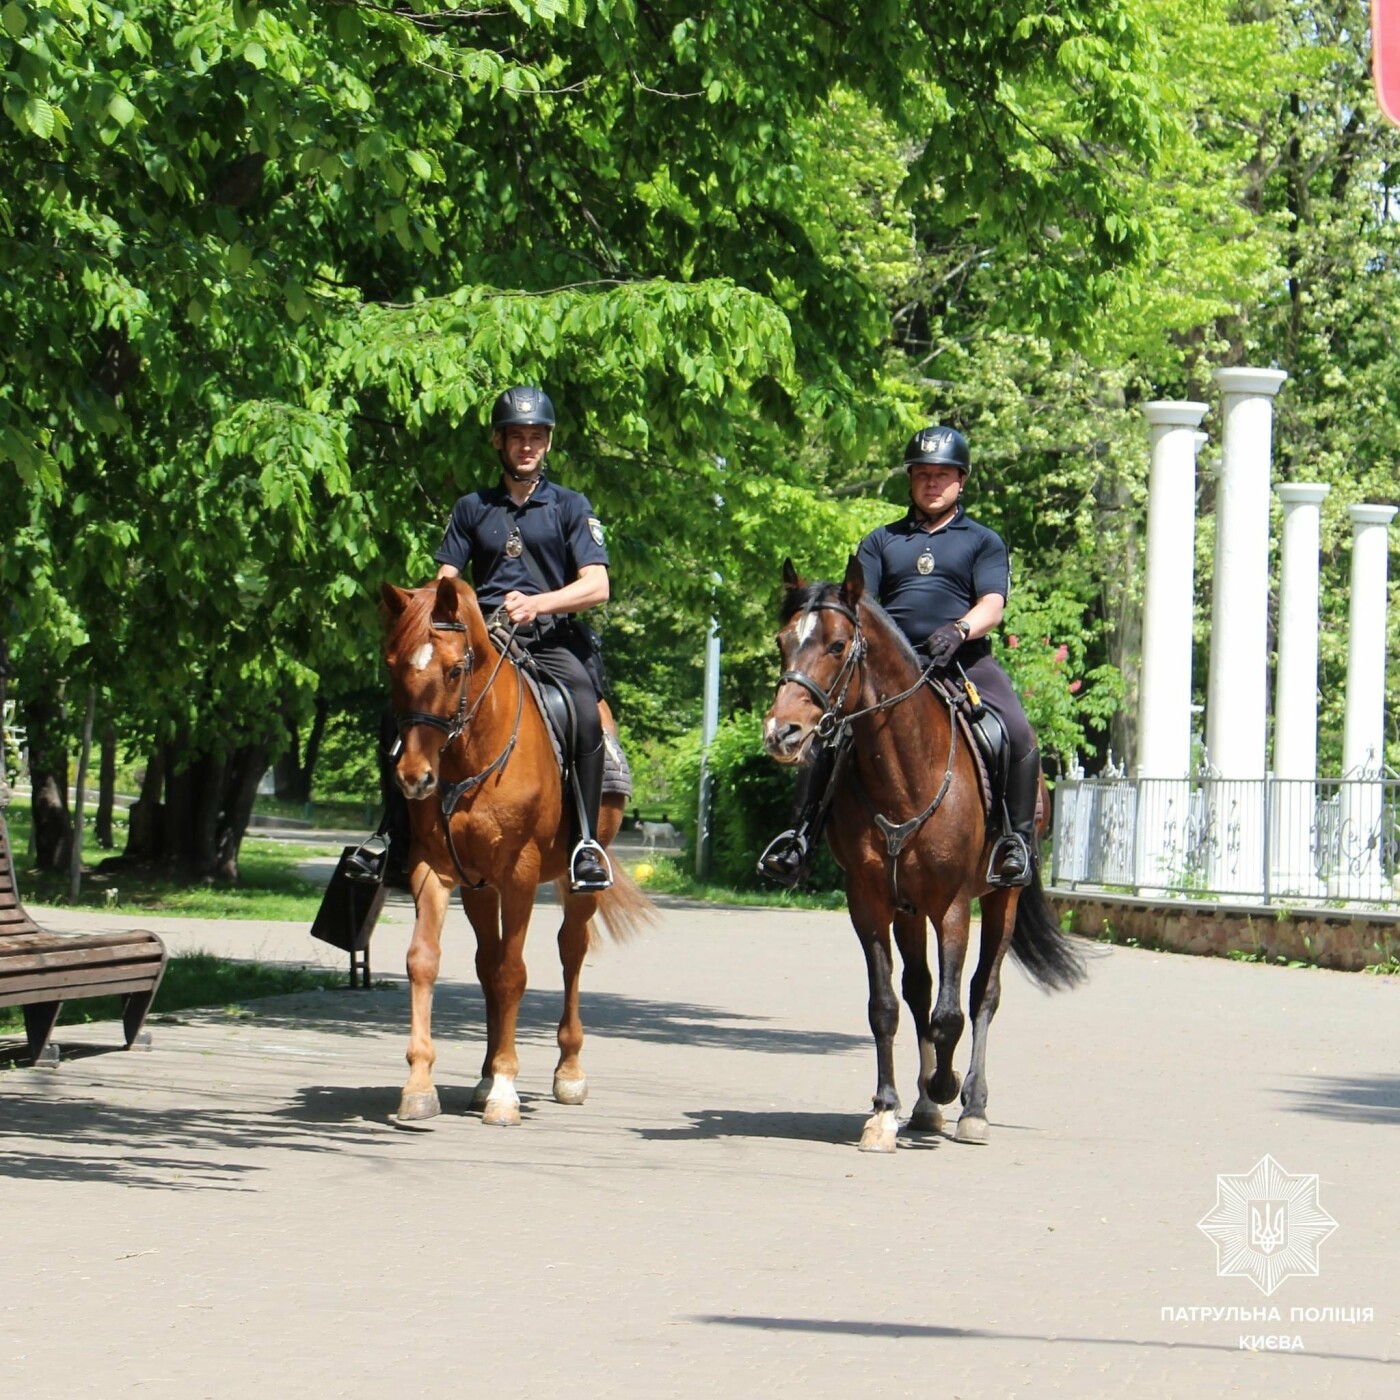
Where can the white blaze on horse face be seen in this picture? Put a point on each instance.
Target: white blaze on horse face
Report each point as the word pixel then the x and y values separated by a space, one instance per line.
pixel 806 627
pixel 420 658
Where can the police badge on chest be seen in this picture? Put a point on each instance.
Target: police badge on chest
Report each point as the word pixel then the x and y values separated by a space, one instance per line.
pixel 924 563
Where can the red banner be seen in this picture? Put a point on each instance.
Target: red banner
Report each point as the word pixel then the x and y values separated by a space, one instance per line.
pixel 1385 55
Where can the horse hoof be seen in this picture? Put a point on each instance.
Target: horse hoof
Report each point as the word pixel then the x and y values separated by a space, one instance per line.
pixel 879 1133
pixel 927 1117
pixel 501 1113
pixel 481 1093
pixel 573 1091
pixel 415 1107
pixel 972 1129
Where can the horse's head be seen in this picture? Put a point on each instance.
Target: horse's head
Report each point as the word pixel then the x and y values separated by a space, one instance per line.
pixel 433 637
pixel 821 646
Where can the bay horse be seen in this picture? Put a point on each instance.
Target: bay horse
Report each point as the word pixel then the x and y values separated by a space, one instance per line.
pixel 908 827
pixel 486 810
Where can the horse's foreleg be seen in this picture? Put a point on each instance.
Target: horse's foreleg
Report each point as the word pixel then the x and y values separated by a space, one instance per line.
pixel 911 933
pixel 419 1099
pixel 878 1135
pixel 998 918
pixel 483 908
pixel 502 1106
pixel 570 1083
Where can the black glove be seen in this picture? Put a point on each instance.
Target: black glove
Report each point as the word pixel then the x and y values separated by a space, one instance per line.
pixel 943 643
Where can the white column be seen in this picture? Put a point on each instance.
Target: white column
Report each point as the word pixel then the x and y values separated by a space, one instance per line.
pixel 1237 692
pixel 1164 709
pixel 1363 741
pixel 1293 794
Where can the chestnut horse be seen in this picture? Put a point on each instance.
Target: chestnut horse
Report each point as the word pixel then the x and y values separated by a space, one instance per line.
pixel 486 802
pixel 907 826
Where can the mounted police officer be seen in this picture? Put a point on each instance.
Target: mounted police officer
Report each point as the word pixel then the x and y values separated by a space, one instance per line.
pixel 537 558
pixel 944 580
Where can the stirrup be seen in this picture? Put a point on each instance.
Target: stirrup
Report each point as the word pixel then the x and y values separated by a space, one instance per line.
pixel 1005 845
pixel 583 885
pixel 367 863
pixel 784 859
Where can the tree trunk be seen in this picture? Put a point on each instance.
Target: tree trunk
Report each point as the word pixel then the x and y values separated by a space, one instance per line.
pixel 295 769
pixel 245 773
pixel 145 822
pixel 106 787
pixel 48 776
pixel 75 854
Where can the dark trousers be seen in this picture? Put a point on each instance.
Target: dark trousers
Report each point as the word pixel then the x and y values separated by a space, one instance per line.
pixel 557 655
pixel 995 688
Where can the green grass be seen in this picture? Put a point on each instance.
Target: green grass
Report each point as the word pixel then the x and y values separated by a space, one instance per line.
pixel 269 886
pixel 196 979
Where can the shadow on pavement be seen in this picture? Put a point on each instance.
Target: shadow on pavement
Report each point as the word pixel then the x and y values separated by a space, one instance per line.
pixel 1351 1098
pixel 458 1010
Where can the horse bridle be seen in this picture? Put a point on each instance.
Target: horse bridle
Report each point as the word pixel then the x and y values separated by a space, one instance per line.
pixel 834 696
pixel 451 794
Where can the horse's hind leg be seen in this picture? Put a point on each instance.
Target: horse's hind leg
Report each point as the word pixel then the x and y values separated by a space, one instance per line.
pixel 570 1082
pixel 878 1135
pixel 998 919
pixel 419 1099
pixel 483 908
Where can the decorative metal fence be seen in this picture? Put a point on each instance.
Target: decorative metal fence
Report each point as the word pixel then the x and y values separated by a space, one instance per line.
pixel 1269 841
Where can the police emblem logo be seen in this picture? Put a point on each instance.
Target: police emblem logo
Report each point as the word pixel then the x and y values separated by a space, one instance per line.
pixel 515 546
pixel 924 564
pixel 595 528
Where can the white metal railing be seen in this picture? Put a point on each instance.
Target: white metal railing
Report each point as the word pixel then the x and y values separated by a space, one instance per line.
pixel 1267 840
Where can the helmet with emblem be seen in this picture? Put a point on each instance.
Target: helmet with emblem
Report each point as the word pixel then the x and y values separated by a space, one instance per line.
pixel 938 446
pixel 522 407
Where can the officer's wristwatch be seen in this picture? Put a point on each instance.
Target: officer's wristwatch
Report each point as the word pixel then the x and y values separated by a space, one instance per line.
pixel 962 625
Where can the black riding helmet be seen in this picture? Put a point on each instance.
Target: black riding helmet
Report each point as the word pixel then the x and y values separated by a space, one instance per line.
pixel 938 445
pixel 522 407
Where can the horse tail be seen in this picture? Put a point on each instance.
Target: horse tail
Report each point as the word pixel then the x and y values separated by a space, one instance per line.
pixel 624 909
pixel 1040 945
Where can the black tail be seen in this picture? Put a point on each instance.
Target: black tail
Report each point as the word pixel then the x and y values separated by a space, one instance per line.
pixel 1041 946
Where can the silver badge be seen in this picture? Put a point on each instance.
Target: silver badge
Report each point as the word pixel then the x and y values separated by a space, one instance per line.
pixel 595 528
pixel 515 546
pixel 925 563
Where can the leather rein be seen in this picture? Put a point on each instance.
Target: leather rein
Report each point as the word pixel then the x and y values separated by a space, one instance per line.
pixel 451 794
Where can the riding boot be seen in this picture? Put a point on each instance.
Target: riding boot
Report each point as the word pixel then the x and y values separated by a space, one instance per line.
pixel 1015 856
pixel 396 829
pixel 588 865
pixel 786 858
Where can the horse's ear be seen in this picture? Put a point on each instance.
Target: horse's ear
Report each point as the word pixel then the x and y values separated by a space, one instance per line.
pixel 393 600
pixel 853 586
pixel 449 602
pixel 791 578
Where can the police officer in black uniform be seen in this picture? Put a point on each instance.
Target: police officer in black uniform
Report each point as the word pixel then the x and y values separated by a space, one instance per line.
pixel 537 556
pixel 944 579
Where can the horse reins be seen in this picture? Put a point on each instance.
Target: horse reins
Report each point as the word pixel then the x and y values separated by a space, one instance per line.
pixel 833 723
pixel 451 794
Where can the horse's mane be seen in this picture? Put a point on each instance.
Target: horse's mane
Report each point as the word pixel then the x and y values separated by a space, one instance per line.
pixel 796 600
pixel 415 620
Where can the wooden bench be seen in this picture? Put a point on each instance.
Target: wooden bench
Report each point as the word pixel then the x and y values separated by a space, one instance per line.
pixel 40 970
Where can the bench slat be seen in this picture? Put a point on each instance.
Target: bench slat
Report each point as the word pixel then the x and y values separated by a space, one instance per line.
pixel 80 975
pixel 105 988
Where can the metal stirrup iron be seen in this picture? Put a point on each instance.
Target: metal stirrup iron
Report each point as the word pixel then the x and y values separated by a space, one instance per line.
pixel 593 883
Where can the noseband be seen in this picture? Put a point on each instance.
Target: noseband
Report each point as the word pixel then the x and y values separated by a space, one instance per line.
pixel 832 698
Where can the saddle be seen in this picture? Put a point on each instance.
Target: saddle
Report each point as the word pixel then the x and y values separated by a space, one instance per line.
pixel 982 727
pixel 557 706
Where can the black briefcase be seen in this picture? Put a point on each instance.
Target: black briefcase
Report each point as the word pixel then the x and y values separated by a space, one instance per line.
pixel 349 911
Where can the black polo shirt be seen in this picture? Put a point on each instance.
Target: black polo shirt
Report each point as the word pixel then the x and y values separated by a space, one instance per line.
pixel 558 526
pixel 965 561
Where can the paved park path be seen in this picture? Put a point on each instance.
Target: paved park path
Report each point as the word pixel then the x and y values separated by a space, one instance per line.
pixel 230 1215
